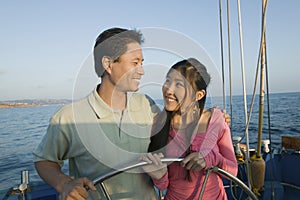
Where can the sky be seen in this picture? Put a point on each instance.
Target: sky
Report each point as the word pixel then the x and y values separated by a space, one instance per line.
pixel 46 46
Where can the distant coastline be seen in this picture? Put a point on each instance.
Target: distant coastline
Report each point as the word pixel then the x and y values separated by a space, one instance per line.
pixel 32 103
pixel 50 102
pixel 17 105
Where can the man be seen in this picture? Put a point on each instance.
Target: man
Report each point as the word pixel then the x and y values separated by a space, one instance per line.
pixel 108 128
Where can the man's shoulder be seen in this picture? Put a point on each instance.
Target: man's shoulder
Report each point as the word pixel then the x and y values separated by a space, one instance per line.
pixel 142 98
pixel 67 111
pixel 144 102
pixel 137 95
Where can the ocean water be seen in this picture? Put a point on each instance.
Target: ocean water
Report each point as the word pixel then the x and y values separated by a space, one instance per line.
pixel 21 129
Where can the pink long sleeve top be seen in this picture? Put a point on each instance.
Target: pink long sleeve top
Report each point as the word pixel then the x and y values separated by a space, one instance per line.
pixel 216 147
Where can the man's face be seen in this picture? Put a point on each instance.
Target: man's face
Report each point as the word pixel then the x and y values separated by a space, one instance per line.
pixel 127 71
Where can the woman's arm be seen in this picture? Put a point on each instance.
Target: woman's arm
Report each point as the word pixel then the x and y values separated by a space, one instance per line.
pixel 157 170
pixel 222 155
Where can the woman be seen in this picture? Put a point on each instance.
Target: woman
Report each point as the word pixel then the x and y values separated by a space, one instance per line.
pixel 185 129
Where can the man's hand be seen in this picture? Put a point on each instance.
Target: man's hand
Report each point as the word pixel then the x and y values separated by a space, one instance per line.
pixel 76 189
pixel 227 117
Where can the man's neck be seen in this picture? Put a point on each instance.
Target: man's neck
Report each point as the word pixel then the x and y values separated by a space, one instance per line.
pixel 112 97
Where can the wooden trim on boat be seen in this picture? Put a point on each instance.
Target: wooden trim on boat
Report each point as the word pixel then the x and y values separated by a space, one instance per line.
pixel 288 142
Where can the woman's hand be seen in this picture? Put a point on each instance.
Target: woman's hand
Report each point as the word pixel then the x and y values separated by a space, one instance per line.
pixel 194 161
pixel 155 168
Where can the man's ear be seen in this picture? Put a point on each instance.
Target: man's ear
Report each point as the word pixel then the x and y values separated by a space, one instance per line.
pixel 106 62
pixel 200 94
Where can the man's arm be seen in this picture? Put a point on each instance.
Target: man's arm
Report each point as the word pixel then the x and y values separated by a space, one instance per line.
pixel 51 173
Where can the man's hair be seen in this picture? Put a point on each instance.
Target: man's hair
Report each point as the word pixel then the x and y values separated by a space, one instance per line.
pixel 113 43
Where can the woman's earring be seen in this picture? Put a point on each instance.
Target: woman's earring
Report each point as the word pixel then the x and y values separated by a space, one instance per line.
pixel 195 110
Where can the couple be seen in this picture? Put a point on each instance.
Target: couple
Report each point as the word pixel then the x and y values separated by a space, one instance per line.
pixel 113 126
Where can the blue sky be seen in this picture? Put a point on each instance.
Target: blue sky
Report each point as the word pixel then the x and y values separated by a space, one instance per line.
pixel 45 45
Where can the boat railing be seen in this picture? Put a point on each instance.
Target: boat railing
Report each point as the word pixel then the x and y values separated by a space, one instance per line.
pixel 100 180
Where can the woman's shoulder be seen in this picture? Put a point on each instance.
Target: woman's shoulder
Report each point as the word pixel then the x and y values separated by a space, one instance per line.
pixel 214 114
pixel 214 111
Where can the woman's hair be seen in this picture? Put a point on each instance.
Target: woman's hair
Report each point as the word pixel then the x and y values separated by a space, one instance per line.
pixel 197 76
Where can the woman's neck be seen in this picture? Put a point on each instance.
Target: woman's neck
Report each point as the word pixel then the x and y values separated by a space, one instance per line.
pixel 178 123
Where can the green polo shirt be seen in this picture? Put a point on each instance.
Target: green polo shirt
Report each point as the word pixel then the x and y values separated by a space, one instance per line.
pixel 95 139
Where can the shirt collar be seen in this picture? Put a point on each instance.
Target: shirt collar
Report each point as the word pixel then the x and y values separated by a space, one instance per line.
pixel 103 110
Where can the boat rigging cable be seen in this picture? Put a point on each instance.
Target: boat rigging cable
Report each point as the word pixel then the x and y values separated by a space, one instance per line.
pixel 257 165
pixel 244 91
pixel 230 85
pixel 222 56
pixel 230 69
pixel 256 78
pixel 262 61
pixel 269 122
pixel 229 60
pixel 269 131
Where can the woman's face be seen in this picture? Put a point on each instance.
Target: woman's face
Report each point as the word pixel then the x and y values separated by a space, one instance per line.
pixel 176 92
